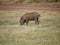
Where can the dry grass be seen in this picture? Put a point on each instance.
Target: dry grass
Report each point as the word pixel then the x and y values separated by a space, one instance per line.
pixel 46 33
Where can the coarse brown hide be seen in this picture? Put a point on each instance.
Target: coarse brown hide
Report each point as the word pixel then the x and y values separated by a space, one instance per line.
pixel 32 16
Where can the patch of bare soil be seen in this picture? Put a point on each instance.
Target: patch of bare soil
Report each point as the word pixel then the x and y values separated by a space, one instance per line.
pixel 28 8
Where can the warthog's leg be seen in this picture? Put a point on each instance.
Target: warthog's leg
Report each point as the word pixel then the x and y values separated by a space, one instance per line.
pixel 36 21
pixel 27 22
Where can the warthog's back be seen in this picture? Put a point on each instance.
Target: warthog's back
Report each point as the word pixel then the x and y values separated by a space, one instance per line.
pixel 31 15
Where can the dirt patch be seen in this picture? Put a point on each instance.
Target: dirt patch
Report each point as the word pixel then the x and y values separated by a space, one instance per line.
pixel 28 8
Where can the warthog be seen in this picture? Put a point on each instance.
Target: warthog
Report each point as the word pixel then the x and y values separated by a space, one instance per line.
pixel 32 16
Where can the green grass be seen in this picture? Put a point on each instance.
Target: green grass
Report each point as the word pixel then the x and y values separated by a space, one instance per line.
pixel 46 33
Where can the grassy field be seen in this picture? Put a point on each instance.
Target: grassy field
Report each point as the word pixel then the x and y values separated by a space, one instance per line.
pixel 46 33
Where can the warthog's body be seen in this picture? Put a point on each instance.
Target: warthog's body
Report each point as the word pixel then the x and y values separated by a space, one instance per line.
pixel 33 16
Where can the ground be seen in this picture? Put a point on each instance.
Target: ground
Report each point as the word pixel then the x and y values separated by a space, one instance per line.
pixel 46 33
pixel 30 8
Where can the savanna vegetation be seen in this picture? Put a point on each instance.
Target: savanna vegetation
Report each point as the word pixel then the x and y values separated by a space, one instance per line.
pixel 46 33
